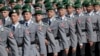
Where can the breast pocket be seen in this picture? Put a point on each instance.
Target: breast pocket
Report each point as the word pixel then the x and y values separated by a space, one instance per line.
pixel 82 25
pixel 94 25
pixel 21 33
pixel 66 28
pixel 32 35
pixel 3 36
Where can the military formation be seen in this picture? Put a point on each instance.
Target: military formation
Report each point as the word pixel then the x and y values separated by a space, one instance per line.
pixel 49 28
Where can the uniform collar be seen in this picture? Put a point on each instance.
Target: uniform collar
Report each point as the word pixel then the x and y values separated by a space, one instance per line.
pixel 15 25
pixel 91 13
pixel 40 23
pixel 97 12
pixel 71 15
pixel 63 17
pixel 81 14
pixel 52 18
pixel 7 18
pixel 29 21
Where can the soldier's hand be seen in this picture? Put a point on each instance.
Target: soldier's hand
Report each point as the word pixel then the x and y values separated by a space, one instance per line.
pixel 11 35
pixel 66 51
pixel 91 43
pixel 55 54
pixel 41 54
pixel 81 45
pixel 7 49
pixel 46 42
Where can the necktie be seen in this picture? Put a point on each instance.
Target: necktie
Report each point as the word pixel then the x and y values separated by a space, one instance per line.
pixel 27 24
pixel 13 28
pixel 4 21
pixel 49 22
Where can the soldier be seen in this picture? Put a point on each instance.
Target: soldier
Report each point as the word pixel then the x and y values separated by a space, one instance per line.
pixel 34 33
pixel 46 6
pixel 38 6
pixel 53 24
pixel 81 23
pixel 12 3
pixel 19 9
pixel 55 5
pixel 20 2
pixel 5 13
pixel 68 31
pixel 93 18
pixel 20 33
pixel 97 12
pixel 84 6
pixel 97 8
pixel 28 6
pixel 30 3
pixel 7 40
pixel 49 37
pixel 70 10
pixel 2 4
pixel 43 5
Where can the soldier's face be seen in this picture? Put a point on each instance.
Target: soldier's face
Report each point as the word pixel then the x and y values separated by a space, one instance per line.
pixel 89 8
pixel 54 5
pixel 78 10
pixel 62 11
pixel 70 9
pixel 38 17
pixel 27 16
pixel 12 5
pixel 97 7
pixel 51 13
pixel 20 2
pixel 84 8
pixel 5 13
pixel 14 17
pixel 1 5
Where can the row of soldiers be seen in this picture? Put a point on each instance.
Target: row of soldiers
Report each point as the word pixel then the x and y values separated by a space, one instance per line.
pixel 50 28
